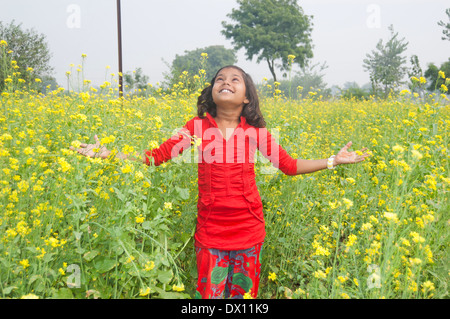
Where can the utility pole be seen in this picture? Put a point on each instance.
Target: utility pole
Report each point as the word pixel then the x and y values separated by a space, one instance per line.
pixel 119 34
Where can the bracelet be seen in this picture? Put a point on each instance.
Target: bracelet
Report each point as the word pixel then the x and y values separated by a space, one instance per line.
pixel 330 162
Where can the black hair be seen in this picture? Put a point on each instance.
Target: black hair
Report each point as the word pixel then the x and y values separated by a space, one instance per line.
pixel 251 110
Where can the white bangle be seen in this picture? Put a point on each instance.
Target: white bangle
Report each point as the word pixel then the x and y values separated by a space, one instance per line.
pixel 330 162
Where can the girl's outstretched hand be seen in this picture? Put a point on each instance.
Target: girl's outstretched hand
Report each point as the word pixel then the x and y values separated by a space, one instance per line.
pixel 346 157
pixel 92 150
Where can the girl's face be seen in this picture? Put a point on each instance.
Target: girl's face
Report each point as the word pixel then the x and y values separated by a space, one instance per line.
pixel 229 88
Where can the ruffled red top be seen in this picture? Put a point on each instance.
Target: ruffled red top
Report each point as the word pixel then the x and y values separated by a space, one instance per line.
pixel 230 211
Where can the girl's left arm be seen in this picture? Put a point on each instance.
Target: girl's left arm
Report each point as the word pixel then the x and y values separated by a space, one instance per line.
pixel 342 157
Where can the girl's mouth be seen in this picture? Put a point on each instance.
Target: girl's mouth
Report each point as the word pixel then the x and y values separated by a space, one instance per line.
pixel 225 91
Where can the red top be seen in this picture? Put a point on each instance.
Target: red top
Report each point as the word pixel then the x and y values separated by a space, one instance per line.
pixel 230 215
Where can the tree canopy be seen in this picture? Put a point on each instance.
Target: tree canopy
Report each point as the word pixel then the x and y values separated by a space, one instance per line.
pixel 271 30
pixel 202 62
pixel 135 81
pixel 386 65
pixel 445 26
pixel 434 78
pixel 216 57
pixel 28 49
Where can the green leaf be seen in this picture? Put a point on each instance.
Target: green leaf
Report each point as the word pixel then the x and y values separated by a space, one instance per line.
pixel 63 293
pixel 147 225
pixel 170 295
pixel 7 290
pixel 183 192
pixel 104 264
pixel 90 255
pixel 164 276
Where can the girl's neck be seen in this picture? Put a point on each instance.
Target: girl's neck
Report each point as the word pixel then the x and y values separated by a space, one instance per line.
pixel 227 115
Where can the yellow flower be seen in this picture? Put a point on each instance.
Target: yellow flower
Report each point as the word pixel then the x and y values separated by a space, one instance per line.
pixel 149 265
pixel 345 296
pixel 3 43
pixel 415 261
pixel 444 88
pixel 272 276
pixel 139 176
pixel 167 205
pixel 29 296
pixel 427 286
pixel 129 259
pixel 25 263
pixel 403 92
pixel 390 216
pixel 178 288
pixel 320 274
pixel 398 148
pixel 108 139
pixel 28 151
pixel 351 240
pixel 441 74
pixel 126 169
pixel 248 295
pixel 139 219
pixel 416 237
pixel 416 155
pixel 347 202
pixel 144 292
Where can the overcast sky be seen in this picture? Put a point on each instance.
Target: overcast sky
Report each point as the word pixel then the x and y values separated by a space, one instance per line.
pixel 153 31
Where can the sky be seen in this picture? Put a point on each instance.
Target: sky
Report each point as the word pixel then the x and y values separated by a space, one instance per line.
pixel 154 32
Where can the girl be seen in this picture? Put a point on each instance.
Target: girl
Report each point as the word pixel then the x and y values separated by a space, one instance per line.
pixel 230 226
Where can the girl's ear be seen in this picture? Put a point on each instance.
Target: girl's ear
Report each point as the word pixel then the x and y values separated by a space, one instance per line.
pixel 246 101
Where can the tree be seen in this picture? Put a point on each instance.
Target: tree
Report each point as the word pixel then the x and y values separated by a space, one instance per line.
pixel 386 65
pixel 434 79
pixel 187 66
pixel 352 90
pixel 271 30
pixel 446 26
pixel 29 49
pixel 135 80
pixel 415 72
pixel 217 56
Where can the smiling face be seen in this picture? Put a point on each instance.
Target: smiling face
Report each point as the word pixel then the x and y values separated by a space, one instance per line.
pixel 229 88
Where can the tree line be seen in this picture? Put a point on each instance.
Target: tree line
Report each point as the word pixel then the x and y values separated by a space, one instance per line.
pixel 274 32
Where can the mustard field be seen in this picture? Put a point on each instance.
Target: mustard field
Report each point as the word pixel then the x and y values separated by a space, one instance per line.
pixel 76 227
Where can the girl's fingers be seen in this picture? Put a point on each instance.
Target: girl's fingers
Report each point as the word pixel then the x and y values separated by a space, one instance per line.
pixel 347 146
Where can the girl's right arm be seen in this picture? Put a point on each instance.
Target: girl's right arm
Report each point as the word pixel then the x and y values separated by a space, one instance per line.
pixel 97 150
pixel 166 151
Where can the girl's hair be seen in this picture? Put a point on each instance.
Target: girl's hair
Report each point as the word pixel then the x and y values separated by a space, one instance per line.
pixel 251 110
